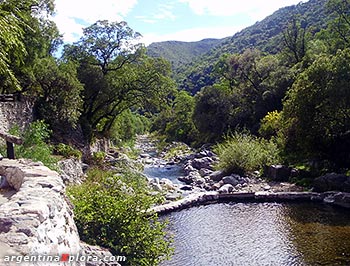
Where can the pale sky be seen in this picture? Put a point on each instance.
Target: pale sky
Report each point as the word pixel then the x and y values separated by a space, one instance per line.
pixel 165 20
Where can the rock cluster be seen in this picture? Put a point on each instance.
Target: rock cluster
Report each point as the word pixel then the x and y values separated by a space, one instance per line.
pixel 199 169
pixel 332 182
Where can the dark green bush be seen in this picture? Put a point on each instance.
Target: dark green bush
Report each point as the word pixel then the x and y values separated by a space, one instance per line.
pixel 110 211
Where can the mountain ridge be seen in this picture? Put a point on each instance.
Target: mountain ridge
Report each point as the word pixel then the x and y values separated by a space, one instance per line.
pixel 265 35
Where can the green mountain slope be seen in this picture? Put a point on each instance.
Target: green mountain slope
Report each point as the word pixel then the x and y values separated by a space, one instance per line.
pixel 193 71
pixel 181 53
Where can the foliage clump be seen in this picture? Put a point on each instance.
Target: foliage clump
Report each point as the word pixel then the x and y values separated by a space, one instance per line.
pixel 111 211
pixel 243 152
pixel 35 146
pixel 67 151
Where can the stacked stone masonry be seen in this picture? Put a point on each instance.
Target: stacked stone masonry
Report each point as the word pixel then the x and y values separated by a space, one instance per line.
pixel 38 218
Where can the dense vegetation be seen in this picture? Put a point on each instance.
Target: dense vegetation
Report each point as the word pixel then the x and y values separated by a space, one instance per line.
pixel 124 227
pixel 278 91
pixel 104 85
pixel 285 79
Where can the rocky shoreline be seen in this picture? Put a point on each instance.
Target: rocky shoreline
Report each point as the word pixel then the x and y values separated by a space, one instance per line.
pixel 340 199
pixel 202 184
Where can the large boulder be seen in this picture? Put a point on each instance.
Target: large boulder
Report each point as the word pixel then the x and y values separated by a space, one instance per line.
pixel 71 171
pixel 332 182
pixel 217 175
pixel 279 172
pixel 232 180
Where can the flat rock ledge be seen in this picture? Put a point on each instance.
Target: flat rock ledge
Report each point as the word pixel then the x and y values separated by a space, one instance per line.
pixel 203 198
pixel 38 218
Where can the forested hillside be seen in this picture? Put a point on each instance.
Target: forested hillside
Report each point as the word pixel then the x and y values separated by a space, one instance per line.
pixel 181 53
pixel 284 80
pixel 265 35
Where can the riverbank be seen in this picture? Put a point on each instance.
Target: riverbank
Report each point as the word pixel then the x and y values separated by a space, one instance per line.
pixel 334 198
pixel 200 184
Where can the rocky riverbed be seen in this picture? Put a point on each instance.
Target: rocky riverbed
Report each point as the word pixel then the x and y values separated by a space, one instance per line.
pixel 188 171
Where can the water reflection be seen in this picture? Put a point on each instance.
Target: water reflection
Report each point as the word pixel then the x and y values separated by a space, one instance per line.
pixel 260 234
pixel 320 231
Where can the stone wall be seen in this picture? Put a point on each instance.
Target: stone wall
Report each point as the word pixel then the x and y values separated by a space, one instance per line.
pixel 202 198
pixel 37 219
pixel 15 113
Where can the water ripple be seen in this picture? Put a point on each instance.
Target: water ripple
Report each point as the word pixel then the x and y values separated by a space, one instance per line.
pixel 260 234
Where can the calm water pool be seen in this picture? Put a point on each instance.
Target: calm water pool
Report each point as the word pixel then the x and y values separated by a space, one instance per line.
pixel 260 234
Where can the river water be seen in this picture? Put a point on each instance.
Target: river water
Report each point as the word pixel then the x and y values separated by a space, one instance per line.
pixel 260 234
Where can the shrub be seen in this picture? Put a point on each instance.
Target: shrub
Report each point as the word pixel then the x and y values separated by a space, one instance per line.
pixel 67 151
pixel 34 145
pixel 269 124
pixel 110 211
pixel 242 152
pixel 98 157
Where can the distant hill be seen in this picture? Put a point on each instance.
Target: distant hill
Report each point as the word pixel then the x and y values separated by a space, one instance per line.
pixel 181 53
pixel 195 68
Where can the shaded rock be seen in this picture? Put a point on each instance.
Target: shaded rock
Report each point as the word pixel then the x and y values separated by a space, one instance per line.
pixel 332 182
pixel 99 252
pixel 205 172
pixel 186 179
pixel 217 175
pixel 204 162
pixel 279 172
pixel 3 182
pixel 186 188
pixel 232 180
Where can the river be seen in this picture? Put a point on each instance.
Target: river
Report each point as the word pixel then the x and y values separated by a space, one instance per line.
pixel 260 234
pixel 230 234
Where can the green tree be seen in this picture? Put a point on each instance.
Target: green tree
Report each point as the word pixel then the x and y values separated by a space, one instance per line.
pixel 58 91
pixel 26 34
pixel 257 85
pixel 338 31
pixel 213 112
pixel 179 125
pixel 294 41
pixel 116 75
pixel 11 42
pixel 316 113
